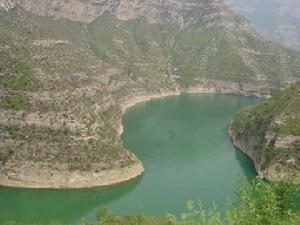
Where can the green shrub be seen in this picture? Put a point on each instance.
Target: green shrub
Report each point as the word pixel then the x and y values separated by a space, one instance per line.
pixel 256 203
pixel 292 126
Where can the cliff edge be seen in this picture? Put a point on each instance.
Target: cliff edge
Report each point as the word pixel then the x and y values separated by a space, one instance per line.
pixel 269 134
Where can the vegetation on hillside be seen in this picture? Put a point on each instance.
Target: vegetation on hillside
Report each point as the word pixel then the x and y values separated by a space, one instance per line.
pixel 70 78
pixel 285 104
pixel 275 126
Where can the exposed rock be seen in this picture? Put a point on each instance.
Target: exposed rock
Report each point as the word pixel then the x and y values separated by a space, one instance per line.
pixel 77 10
pixel 270 135
pixel 7 4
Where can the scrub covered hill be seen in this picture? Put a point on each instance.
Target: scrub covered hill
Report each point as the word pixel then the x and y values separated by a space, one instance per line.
pixel 69 69
pixel 270 134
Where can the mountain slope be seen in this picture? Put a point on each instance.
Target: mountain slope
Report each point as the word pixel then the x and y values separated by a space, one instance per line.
pixel 282 23
pixel 270 134
pixel 68 73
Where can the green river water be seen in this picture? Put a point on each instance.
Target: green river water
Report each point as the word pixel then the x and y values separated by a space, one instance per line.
pixel 187 153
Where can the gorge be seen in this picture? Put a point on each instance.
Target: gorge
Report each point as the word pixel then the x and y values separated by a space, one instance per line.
pixel 69 70
pixel 185 149
pixel 60 114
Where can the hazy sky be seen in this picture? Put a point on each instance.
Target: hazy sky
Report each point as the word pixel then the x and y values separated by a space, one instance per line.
pixel 277 20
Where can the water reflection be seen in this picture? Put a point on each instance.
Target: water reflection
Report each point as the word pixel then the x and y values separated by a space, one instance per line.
pixel 25 205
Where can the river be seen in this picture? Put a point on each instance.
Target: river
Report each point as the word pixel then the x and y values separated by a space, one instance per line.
pixel 185 148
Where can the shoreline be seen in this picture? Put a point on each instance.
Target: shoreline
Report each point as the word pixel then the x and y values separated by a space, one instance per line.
pixel 89 179
pixel 143 98
pixel 200 90
pixel 81 180
pixel 244 149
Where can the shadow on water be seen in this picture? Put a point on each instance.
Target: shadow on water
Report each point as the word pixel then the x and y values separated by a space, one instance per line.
pixel 63 205
pixel 246 164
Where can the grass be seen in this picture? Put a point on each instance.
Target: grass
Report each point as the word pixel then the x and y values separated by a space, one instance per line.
pixel 290 127
pixel 33 132
pixel 4 39
pixel 14 102
pixel 17 76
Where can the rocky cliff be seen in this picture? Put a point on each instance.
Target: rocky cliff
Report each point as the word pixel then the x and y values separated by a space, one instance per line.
pixel 156 11
pixel 270 134
pixel 69 68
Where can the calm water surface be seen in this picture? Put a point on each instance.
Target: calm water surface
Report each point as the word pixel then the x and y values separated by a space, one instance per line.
pixel 187 154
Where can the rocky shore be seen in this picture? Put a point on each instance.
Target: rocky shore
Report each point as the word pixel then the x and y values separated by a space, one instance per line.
pixel 269 134
pixel 249 150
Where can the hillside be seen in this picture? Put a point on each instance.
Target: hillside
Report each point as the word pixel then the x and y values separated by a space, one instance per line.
pixel 270 134
pixel 282 24
pixel 68 71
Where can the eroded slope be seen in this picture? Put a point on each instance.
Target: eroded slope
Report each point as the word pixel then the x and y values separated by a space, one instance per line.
pixel 65 81
pixel 270 134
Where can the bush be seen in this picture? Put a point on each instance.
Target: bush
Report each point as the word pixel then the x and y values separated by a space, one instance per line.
pixel 256 203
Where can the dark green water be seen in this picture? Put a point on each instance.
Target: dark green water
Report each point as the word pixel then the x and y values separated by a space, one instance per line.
pixel 187 154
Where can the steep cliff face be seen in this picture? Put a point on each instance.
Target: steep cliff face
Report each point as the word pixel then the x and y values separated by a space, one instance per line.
pixel 270 134
pixel 155 11
pixel 65 80
pixel 77 10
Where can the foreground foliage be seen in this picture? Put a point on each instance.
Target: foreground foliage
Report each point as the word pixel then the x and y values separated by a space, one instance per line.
pixel 257 203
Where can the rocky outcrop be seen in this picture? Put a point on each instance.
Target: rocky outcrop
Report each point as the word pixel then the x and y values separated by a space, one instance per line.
pixel 155 11
pixel 270 135
pixel 266 168
pixel 77 10
pixel 89 10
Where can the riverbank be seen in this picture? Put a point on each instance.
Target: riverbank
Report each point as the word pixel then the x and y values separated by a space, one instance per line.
pixel 176 138
pixel 246 149
pixel 204 87
pixel 74 179
pixel 270 172
pixel 27 177
pixel 210 87
pixel 269 134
